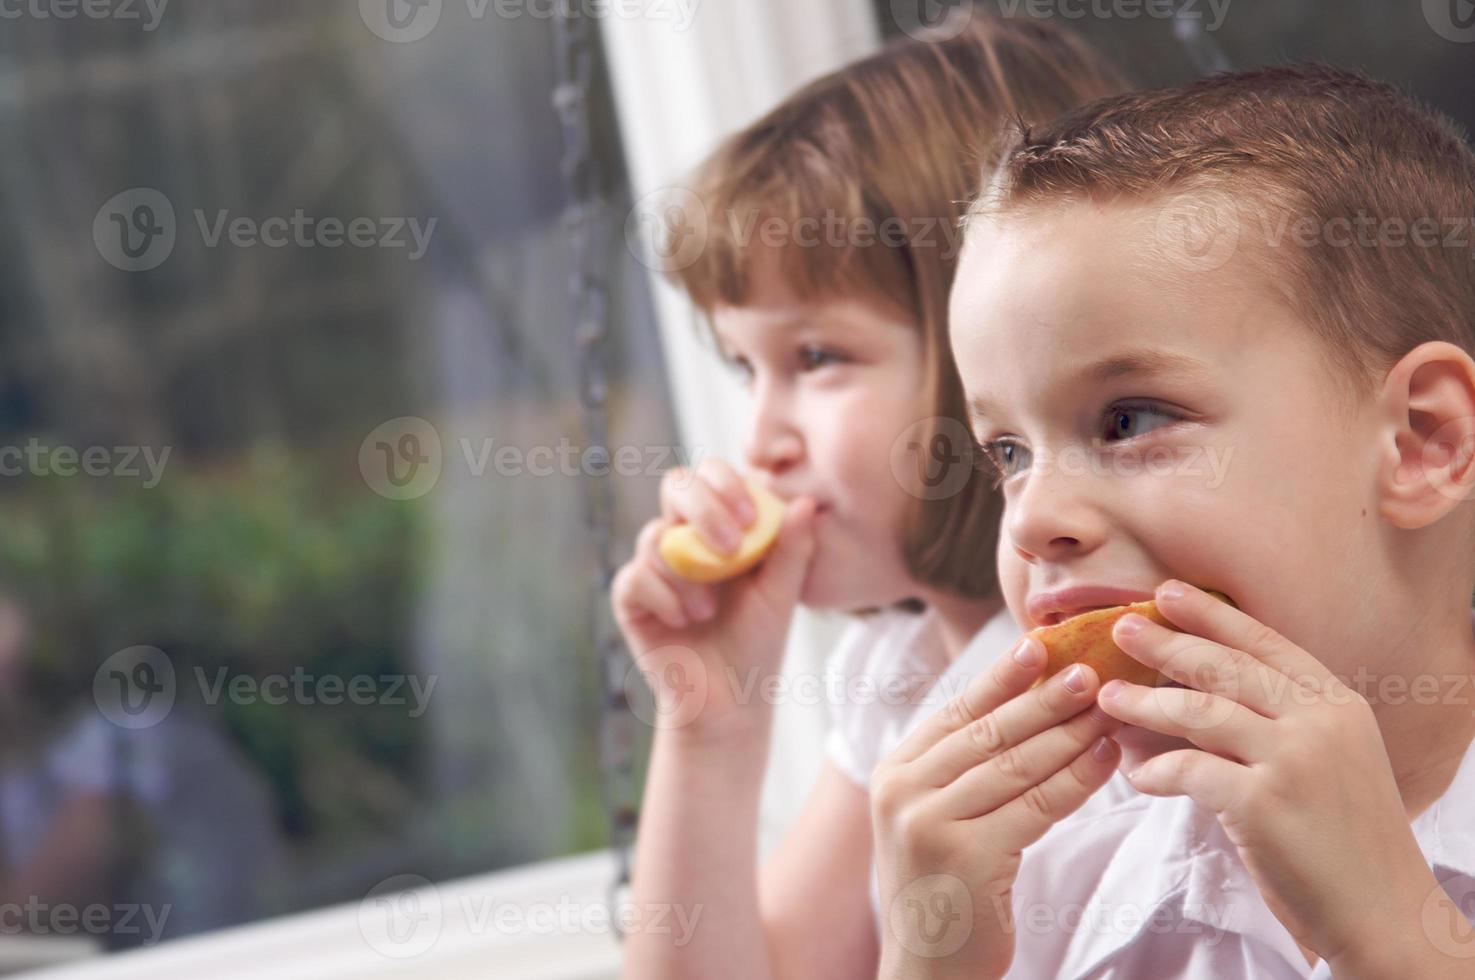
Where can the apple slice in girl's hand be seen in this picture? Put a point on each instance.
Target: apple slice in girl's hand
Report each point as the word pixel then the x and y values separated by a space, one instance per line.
pixel 690 558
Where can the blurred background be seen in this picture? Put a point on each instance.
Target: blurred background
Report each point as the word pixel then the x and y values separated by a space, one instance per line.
pixel 299 577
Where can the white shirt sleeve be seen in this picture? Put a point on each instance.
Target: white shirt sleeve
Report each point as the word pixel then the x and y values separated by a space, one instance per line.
pixel 870 683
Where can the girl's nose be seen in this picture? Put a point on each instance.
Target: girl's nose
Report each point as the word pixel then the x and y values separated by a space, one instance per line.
pixel 774 452
pixel 773 441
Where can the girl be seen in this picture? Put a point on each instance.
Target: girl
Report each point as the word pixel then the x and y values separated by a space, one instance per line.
pixel 825 278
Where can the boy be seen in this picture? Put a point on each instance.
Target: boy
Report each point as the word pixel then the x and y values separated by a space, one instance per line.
pixel 1218 335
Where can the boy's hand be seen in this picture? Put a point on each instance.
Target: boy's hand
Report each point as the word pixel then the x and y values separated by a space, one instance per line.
pixel 700 646
pixel 1290 759
pixel 955 805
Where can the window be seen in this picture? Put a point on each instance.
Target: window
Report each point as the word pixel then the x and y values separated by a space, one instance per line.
pixel 293 575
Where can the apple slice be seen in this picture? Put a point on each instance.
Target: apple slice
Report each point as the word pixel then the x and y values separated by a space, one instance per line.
pixel 1086 639
pixel 689 557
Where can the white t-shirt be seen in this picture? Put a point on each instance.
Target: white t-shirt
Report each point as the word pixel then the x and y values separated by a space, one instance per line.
pixel 1131 885
pixel 1141 886
pixel 887 674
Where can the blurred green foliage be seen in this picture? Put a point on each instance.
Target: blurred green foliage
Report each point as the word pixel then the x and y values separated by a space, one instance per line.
pixel 268 567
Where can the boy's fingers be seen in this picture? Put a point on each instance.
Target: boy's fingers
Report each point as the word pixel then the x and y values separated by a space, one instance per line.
pixel 686 498
pixel 1026 818
pixel 1010 724
pixel 1005 678
pixel 1006 776
pixel 1196 612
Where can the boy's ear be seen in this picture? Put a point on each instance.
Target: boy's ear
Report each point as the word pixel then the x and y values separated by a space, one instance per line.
pixel 1428 460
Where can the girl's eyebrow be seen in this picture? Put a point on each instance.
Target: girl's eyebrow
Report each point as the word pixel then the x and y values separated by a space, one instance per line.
pixel 1142 362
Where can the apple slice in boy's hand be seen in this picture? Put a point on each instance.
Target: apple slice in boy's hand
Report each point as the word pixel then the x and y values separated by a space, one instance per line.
pixel 1086 639
pixel 690 557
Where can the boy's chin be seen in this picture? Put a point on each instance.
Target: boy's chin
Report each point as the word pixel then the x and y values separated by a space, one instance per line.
pixel 1140 744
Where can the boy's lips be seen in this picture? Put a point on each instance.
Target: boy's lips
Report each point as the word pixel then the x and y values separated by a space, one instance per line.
pixel 1049 608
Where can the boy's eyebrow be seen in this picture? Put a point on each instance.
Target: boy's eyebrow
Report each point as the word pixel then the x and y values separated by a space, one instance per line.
pixel 1140 362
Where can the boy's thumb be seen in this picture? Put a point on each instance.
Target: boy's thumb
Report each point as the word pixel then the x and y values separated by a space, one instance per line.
pixel 784 569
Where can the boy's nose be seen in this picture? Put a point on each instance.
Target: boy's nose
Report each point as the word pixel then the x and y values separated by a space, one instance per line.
pixel 1053 518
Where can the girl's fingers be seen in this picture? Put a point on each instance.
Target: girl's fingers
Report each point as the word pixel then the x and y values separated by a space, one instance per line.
pixel 1006 678
pixel 730 485
pixel 1010 724
pixel 638 592
pixel 988 787
pixel 698 601
pixel 1026 818
pixel 687 498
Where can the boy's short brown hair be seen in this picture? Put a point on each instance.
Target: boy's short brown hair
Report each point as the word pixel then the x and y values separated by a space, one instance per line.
pixel 896 140
pixel 1369 195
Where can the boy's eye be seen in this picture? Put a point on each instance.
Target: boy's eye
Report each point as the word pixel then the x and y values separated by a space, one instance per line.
pixel 812 357
pixel 1002 458
pixel 1127 421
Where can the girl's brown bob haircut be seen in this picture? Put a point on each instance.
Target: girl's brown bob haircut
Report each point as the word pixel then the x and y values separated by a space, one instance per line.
pixel 867 173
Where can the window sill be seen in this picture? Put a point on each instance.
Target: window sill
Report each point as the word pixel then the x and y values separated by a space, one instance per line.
pixel 537 922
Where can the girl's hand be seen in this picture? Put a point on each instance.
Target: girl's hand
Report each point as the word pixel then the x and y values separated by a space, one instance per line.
pixel 707 651
pixel 956 804
pixel 1292 762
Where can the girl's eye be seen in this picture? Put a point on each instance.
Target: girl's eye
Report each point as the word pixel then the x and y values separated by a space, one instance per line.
pixel 1127 421
pixel 1002 458
pixel 813 358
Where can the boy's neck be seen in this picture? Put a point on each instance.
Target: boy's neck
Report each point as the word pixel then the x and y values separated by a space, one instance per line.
pixel 1412 726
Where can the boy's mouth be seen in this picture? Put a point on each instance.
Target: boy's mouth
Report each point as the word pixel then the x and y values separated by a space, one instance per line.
pixel 1047 608
pixel 1060 616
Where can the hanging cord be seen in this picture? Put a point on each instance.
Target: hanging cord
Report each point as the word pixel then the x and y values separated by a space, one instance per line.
pixel 574 42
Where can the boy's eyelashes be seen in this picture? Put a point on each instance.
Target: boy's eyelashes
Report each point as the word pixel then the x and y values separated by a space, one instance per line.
pixel 1003 457
pixel 988 460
